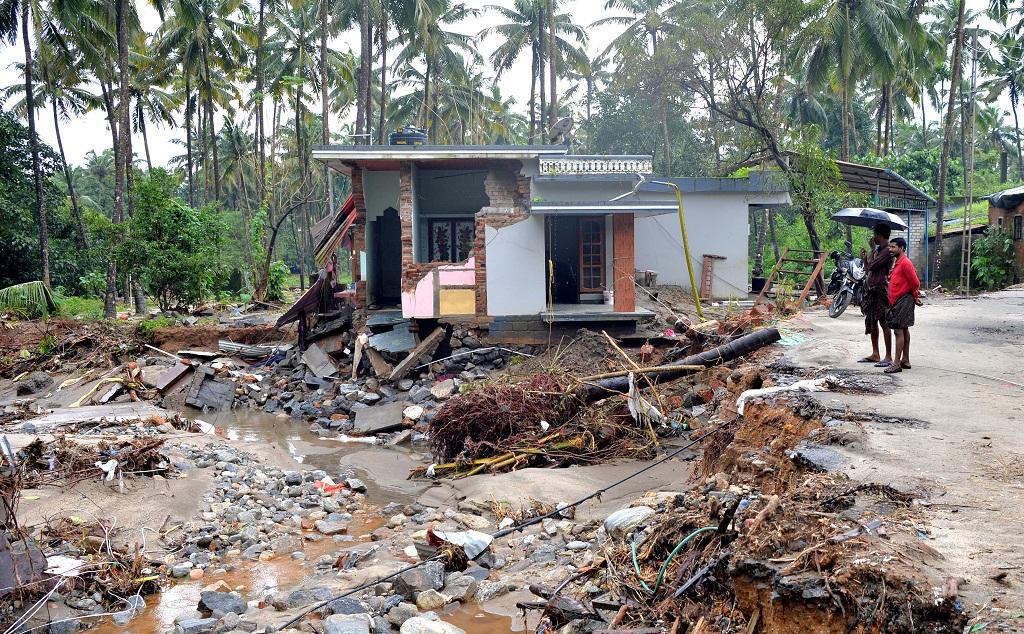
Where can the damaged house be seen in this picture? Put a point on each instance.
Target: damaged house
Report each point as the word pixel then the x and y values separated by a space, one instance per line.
pixel 527 240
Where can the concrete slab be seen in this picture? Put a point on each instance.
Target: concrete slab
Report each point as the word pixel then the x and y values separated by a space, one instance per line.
pixel 119 412
pixel 380 418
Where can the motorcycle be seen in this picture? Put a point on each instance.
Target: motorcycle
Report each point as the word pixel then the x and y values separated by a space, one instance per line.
pixel 847 283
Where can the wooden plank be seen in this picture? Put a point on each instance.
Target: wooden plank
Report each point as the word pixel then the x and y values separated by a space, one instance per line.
pixel 771 276
pixel 623 263
pixel 425 347
pixel 171 375
pixel 381 367
pixel 811 279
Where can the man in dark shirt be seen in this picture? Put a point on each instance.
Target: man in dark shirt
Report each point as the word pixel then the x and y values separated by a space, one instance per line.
pixel 876 294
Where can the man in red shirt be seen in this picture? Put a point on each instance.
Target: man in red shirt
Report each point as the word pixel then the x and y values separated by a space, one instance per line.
pixel 903 296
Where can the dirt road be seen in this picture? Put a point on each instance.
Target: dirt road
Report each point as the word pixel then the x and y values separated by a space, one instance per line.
pixel 967 457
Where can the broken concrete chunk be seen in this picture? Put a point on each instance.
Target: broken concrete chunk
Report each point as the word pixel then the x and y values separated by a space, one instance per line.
pixel 318 362
pixel 443 389
pixel 379 419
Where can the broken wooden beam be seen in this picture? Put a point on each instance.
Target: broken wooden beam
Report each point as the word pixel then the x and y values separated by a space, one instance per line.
pixel 709 358
pixel 425 347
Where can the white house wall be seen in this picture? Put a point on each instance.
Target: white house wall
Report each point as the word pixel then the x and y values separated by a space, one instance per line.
pixel 515 268
pixel 716 223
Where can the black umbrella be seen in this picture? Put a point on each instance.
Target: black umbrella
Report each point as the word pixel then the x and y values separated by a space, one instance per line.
pixel 867 217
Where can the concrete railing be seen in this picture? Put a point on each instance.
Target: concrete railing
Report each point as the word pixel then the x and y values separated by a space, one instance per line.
pixel 569 165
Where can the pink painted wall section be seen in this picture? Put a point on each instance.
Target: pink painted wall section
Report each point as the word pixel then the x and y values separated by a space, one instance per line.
pixel 420 301
pixel 459 274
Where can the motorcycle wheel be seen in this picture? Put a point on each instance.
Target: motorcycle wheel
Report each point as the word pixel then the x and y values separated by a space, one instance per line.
pixel 839 304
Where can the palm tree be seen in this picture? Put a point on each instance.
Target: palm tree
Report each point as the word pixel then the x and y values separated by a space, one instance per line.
pixel 62 86
pixel 592 72
pixel 846 37
pixel 37 20
pixel 524 30
pixel 947 132
pixel 995 136
pixel 440 50
pixel 1005 63
pixel 646 22
pixel 237 150
pixel 154 102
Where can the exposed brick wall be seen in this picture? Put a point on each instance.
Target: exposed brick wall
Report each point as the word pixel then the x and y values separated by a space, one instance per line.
pixel 358 236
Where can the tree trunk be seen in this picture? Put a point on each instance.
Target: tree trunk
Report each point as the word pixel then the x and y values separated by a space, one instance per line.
pixel 1016 131
pixel 80 238
pixel 368 119
pixel 121 161
pixel 947 137
pixel 188 142
pixel 325 112
pixel 761 229
pixel 1003 165
pixel 533 96
pixel 666 156
pixel 383 80
pixel 924 121
pixel 33 143
pixel 261 136
pixel 771 233
pixel 542 125
pixel 300 152
pixel 142 128
pixel 552 60
pixel 846 120
pixel 211 126
pixel 364 70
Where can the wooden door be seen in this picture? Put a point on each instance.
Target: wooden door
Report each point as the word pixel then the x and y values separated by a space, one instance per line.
pixel 592 254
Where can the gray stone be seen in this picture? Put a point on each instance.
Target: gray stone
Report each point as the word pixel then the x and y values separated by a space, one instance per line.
pixel 429 576
pixel 34 383
pixel 356 485
pixel 221 602
pixel 348 624
pixel 64 627
pixel 346 605
pixel 461 587
pixel 331 527
pixel 122 617
pixel 401 613
pixel 195 626
pixel 181 570
pixel 307 596
pixel 423 625
pixel 405 385
pixel 491 589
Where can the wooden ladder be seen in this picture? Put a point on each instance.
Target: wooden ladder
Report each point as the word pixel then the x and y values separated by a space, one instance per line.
pixel 817 260
pixel 707 275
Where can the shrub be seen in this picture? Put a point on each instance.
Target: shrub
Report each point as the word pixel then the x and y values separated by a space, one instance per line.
pixel 276 279
pixel 992 260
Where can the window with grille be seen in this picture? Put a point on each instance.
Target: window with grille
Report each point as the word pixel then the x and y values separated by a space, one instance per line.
pixel 591 255
pixel 451 239
pixel 1018 227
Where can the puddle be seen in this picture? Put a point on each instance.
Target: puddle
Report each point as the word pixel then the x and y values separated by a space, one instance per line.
pixel 250 578
pixel 472 618
pixel 382 469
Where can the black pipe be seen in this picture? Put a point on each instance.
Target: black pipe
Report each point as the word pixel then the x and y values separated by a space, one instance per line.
pixel 722 354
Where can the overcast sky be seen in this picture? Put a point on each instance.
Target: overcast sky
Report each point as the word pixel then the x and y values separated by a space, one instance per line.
pixel 91 133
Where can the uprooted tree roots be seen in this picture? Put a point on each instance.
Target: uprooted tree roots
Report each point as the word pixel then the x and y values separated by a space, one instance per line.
pixel 535 422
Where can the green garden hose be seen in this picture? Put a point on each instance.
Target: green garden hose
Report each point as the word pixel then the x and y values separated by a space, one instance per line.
pixel 664 566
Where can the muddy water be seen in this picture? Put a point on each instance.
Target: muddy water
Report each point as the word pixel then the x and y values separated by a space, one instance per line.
pixel 382 469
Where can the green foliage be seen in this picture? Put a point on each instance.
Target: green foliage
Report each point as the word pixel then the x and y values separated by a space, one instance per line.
pixel 276 281
pixel 172 247
pixel 28 299
pixel 147 327
pixel 19 228
pixel 87 308
pixel 992 260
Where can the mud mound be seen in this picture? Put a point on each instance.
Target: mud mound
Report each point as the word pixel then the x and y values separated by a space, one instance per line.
pixel 174 338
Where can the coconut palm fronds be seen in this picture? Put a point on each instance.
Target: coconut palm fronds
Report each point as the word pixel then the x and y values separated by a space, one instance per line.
pixel 29 299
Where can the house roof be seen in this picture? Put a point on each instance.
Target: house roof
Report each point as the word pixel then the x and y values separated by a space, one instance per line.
pixel 427 152
pixel 1008 199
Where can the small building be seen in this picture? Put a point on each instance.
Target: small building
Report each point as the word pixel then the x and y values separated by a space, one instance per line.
pixel 1006 211
pixel 527 240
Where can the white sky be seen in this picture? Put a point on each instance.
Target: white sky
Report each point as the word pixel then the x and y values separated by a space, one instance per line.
pixel 91 133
